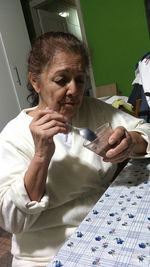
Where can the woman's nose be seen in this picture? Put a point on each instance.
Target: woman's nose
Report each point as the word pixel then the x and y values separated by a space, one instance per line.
pixel 72 87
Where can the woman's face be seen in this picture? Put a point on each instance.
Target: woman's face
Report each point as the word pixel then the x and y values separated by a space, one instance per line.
pixel 61 85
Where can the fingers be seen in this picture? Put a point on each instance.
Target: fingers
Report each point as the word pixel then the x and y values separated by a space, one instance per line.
pixel 121 142
pixel 122 146
pixel 47 115
pixel 44 126
pixel 47 119
pixel 119 157
pixel 117 135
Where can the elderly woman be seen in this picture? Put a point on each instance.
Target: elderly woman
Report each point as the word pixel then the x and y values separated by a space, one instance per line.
pixel 48 180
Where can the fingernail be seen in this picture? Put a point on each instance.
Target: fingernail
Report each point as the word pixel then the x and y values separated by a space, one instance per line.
pixel 111 141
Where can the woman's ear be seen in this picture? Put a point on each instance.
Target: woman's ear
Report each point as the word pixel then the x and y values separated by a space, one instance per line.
pixel 34 82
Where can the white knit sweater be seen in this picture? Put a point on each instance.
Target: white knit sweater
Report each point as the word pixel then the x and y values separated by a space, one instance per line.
pixel 76 179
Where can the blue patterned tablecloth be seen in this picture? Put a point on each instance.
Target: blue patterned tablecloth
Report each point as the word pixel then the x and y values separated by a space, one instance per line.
pixel 116 232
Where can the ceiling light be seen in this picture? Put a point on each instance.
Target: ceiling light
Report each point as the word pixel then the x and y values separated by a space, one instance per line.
pixel 64 14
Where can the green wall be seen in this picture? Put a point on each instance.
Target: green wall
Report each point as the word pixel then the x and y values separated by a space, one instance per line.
pixel 117 36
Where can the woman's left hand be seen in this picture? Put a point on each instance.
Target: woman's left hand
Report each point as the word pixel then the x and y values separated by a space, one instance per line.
pixel 122 146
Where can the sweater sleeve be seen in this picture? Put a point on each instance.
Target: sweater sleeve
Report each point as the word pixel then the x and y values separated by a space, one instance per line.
pixel 101 112
pixel 17 211
pixel 133 124
pixel 120 118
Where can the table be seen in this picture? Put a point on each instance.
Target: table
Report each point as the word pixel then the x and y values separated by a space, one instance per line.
pixel 116 232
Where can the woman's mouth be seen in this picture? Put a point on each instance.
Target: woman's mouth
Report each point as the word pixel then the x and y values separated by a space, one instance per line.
pixel 70 103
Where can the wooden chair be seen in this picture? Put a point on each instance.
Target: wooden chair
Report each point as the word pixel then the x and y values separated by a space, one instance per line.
pixel 138 99
pixel 145 113
pixel 5 248
pixel 106 90
pixel 136 108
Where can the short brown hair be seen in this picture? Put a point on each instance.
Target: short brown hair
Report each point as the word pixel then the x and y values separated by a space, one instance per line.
pixel 43 50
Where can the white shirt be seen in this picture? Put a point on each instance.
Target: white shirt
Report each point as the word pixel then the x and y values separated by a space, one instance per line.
pixel 76 179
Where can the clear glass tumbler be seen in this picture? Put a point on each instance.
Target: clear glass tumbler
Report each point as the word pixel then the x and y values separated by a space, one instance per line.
pixel 100 145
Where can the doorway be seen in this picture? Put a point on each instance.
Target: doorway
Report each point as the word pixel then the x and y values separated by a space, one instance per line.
pixel 56 15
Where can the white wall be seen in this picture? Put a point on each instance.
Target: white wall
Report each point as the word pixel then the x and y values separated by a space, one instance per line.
pixel 15 45
pixel 9 103
pixel 73 22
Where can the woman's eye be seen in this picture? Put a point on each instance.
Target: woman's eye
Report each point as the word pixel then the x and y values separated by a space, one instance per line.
pixel 80 80
pixel 61 81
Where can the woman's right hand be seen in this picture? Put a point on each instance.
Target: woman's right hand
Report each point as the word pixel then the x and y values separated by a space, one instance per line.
pixel 45 124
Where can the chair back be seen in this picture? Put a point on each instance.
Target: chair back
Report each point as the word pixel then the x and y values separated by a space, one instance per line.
pixel 140 95
pixel 106 90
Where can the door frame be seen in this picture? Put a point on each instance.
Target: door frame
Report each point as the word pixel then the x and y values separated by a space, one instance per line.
pixel 34 3
pixel 77 2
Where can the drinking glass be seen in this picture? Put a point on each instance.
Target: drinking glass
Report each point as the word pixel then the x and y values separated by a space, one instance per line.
pixel 100 145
